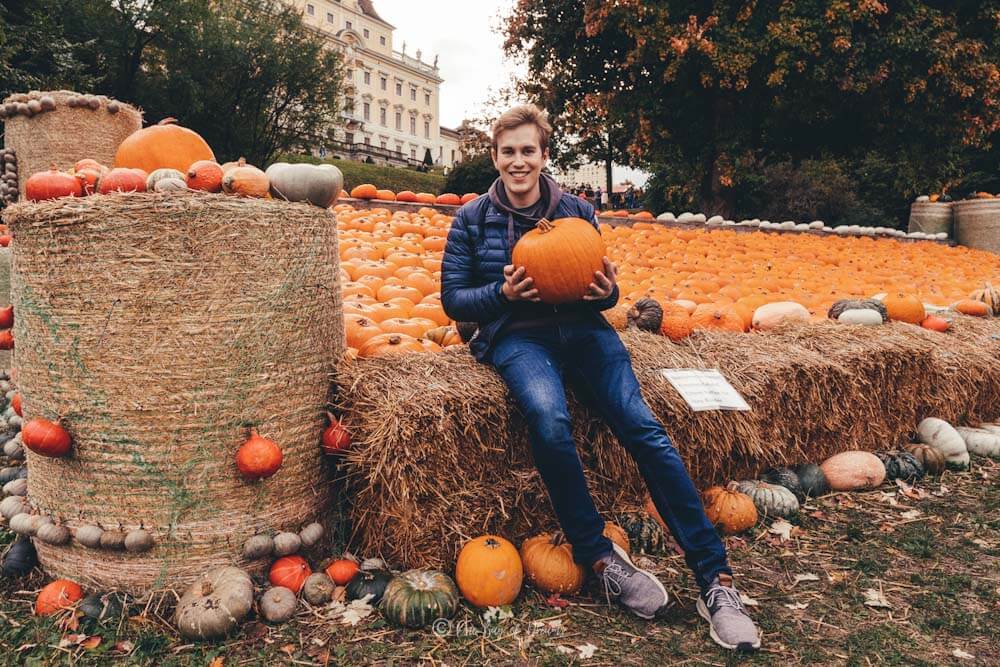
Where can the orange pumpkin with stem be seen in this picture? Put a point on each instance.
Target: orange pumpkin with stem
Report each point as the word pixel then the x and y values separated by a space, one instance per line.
pixel 716 316
pixel 258 457
pixel 205 175
pixel 164 145
pixel 246 180
pixel 489 571
pixel 56 596
pixel 290 572
pixel 561 257
pixel 387 344
pixel 905 308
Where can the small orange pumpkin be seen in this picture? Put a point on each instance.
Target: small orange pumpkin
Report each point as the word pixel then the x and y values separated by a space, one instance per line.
pixel 56 596
pixel 205 175
pixel 7 317
pixel 935 323
pixel 468 196
pixel 732 511
pixel 46 438
pixel 342 571
pixel 448 199
pixel 549 565
pixel 973 307
pixel 6 339
pixel 258 457
pixel 246 180
pixel 489 571
pixel 364 191
pixel 336 438
pixel 290 572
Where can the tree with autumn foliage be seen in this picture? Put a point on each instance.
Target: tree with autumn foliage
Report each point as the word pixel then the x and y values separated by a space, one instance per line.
pixel 900 98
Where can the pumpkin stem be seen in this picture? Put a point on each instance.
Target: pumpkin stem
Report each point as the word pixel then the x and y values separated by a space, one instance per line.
pixel 544 226
pixel 733 487
pixel 169 120
pixel 558 538
pixel 206 587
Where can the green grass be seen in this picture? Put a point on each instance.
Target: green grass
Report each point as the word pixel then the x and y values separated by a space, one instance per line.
pixel 396 179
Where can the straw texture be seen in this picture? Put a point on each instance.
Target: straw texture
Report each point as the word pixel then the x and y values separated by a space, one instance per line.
pixel 977 224
pixel 159 328
pixel 931 217
pixel 65 135
pixel 441 454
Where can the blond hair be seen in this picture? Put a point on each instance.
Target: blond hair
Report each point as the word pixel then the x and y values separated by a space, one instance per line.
pixel 525 114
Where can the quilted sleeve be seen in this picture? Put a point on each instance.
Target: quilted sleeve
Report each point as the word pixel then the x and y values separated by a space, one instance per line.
pixel 612 299
pixel 463 300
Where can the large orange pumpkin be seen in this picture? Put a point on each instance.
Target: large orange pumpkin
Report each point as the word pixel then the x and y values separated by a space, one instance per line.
pixel 58 595
pixel 489 571
pixel 905 308
pixel 561 257
pixel 164 145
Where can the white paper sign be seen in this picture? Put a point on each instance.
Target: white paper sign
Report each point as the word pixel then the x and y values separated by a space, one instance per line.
pixel 704 389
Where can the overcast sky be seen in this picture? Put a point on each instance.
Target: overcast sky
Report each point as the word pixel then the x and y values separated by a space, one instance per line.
pixel 465 36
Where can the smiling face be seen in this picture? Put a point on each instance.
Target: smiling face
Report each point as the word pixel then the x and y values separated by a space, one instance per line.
pixel 519 158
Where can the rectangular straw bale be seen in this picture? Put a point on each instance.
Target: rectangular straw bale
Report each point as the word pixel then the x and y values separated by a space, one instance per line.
pixel 441 454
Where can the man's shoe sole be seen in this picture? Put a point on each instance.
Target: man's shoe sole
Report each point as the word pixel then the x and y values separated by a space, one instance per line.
pixel 666 598
pixel 744 647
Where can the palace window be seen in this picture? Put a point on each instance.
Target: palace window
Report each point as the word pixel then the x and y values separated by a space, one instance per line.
pixel 368 78
pixel 399 89
pixel 399 121
pixel 383 82
pixel 413 126
pixel 413 153
pixel 413 94
pixel 381 40
pixel 348 24
pixel 427 130
pixel 329 17
pixel 367 34
pixel 427 99
pixel 381 116
pixel 368 110
pixel 311 10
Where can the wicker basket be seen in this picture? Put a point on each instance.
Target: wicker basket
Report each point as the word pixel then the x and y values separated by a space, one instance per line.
pixel 158 329
pixel 66 134
pixel 5 355
pixel 977 224
pixel 931 217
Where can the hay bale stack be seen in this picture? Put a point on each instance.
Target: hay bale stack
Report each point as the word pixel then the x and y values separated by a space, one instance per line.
pixel 66 134
pixel 441 454
pixel 159 328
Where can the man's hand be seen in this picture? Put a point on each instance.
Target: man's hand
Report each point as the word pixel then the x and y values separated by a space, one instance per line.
pixel 604 282
pixel 516 286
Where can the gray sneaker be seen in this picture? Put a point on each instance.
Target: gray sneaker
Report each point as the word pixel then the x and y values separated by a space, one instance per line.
pixel 730 625
pixel 636 590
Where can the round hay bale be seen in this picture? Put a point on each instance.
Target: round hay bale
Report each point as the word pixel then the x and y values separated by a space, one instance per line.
pixel 66 134
pixel 931 217
pixel 5 356
pixel 158 328
pixel 977 223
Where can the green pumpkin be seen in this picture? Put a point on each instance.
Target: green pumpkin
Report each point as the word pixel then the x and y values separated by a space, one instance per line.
pixel 372 583
pixel 901 465
pixel 786 478
pixel 644 533
pixel 855 304
pixel 416 598
pixel 770 499
pixel 103 607
pixel 812 479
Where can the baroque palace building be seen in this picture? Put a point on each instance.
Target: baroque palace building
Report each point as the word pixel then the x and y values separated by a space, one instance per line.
pixel 390 111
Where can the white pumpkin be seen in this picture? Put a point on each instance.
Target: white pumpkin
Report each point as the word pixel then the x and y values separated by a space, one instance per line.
pixel 771 315
pixel 863 316
pixel 943 437
pixel 981 441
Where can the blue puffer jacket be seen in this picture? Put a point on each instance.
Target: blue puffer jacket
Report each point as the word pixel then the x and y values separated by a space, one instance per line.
pixel 472 269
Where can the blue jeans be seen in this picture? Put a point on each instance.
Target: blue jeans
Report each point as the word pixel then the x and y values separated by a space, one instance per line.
pixel 533 363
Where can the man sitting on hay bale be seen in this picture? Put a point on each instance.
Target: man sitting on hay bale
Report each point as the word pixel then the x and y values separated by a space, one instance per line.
pixel 533 345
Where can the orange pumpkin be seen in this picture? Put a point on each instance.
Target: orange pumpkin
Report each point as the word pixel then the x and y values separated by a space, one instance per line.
pixel 425 198
pixel 935 323
pixel 385 345
pixel 448 199
pixel 973 307
pixel 52 184
pixel 406 196
pixel 385 195
pixel 905 308
pixel 676 323
pixel 616 534
pixel 364 191
pixel 56 596
pixel 489 571
pixel 164 145
pixel 342 571
pixel 46 438
pixel 732 511
pixel 468 196
pixel 561 257
pixel 122 179
pixel 205 175
pixel 258 457
pixel 549 565
pixel 359 329
pixel 246 180
pixel 290 572
pixel 716 316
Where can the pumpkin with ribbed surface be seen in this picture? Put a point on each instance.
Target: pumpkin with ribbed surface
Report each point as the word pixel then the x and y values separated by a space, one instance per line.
pixel 416 598
pixel 489 571
pixel 645 314
pixel 729 509
pixel 644 532
pixel 989 295
pixel 561 258
pixel 900 465
pixel 929 458
pixel 164 145
pixel 784 477
pixel 770 499
pixel 549 565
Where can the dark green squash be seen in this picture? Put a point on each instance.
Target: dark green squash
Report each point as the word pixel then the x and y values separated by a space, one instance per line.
pixel 466 330
pixel 21 558
pixel 812 479
pixel 372 582
pixel 643 531
pixel 645 314
pixel 901 465
pixel 416 598
pixel 103 607
pixel 784 477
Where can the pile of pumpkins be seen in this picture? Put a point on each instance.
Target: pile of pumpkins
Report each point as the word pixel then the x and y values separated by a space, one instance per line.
pixel 169 158
pixel 779 492
pixel 370 192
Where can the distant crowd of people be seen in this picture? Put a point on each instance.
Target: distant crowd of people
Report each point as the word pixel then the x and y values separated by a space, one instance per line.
pixel 603 200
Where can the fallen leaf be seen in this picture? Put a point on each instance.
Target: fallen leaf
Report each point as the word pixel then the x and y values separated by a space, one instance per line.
pixel 555 601
pixel 911 514
pixel 586 650
pixel 959 653
pixel 124 646
pixel 809 576
pixel 874 598
pixel 216 662
pixel 565 649
pixel 981 543
pixel 339 594
pixel 943 491
pixel 781 528
pixel 798 605
pixel 92 642
pixel 886 527
pixel 909 491
pixel 288 649
pixel 889 499
pixel 748 601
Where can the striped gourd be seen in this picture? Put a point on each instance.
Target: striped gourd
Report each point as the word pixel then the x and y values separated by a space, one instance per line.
pixel 416 598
